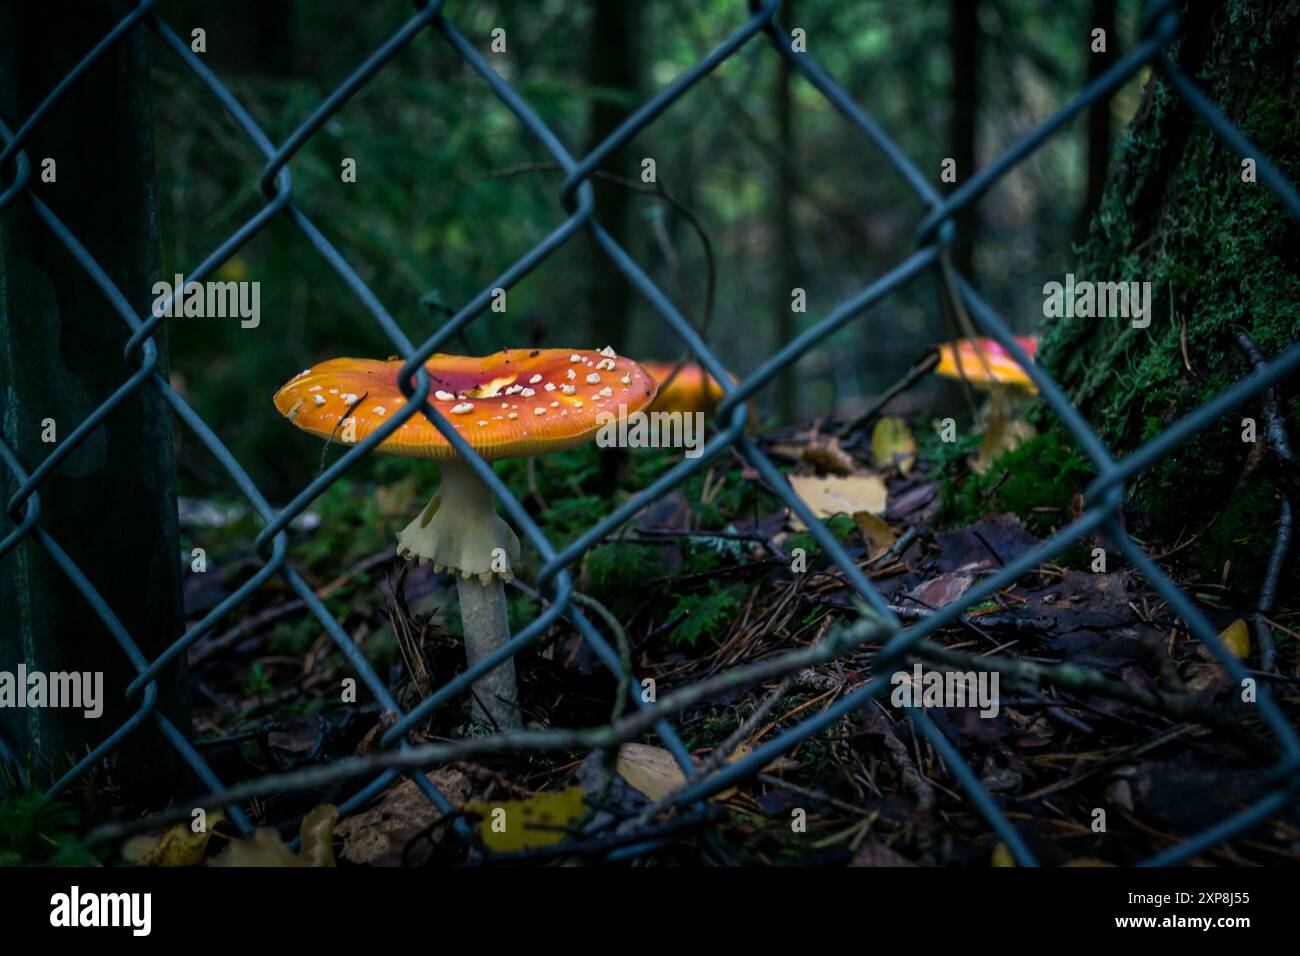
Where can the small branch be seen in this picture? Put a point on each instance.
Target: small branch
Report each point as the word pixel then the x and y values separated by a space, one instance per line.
pixel 923 367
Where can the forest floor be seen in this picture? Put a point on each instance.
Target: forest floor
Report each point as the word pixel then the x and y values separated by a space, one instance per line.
pixel 1121 738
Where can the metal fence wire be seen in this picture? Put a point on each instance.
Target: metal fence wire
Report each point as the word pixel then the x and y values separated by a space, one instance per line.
pixel 902 645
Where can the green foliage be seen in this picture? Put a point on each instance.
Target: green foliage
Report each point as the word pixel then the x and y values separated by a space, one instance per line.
pixel 1044 473
pixel 707 617
pixel 618 567
pixel 34 830
pixel 841 526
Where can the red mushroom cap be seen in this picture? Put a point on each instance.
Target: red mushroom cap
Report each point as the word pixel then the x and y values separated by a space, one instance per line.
pixel 515 403
pixel 985 362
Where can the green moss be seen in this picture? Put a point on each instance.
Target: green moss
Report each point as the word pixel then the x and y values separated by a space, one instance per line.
pixel 1037 482
pixel 1220 255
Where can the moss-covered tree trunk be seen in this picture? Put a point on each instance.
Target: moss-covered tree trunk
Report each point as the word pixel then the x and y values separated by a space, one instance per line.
pixel 1180 211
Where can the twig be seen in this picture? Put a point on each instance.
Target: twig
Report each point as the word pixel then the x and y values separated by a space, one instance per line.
pixel 837 644
pixel 918 371
pixel 1278 442
pixel 1079 680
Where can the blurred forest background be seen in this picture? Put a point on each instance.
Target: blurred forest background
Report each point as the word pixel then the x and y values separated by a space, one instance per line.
pixel 450 190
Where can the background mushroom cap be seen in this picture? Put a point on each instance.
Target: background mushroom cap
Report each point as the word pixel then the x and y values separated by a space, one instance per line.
pixel 511 404
pixel 691 390
pixel 985 362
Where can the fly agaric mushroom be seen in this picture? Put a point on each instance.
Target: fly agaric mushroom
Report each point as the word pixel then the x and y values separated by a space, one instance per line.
pixel 513 404
pixel 985 363
pixel 691 390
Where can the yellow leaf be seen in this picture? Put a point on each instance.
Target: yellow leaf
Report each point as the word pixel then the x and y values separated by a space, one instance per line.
pixel 541 820
pixel 1088 861
pixel 1002 856
pixel 878 535
pixel 892 445
pixel 652 770
pixel 265 848
pixel 181 846
pixel 318 836
pixel 831 495
pixel 1236 638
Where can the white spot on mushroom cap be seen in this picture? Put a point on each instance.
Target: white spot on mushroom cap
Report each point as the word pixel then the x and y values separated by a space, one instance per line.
pixel 568 389
pixel 608 351
pixel 462 408
pixel 380 410
pixel 606 392
pixel 349 397
pixel 534 380
pixel 575 357
pixel 319 399
pixel 442 396
pixel 593 378
pixel 550 386
pixel 528 393
pixel 539 410
pixel 512 415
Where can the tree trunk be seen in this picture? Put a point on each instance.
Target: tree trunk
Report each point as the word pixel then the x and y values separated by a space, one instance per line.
pixel 614 65
pixel 965 41
pixel 1220 254
pixel 111 504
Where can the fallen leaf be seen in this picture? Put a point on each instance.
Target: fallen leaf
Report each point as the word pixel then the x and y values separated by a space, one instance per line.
pixel 541 820
pixel 892 445
pixel 831 495
pixel 317 848
pixel 651 770
pixel 179 846
pixel 877 854
pixel 942 590
pixel 380 835
pixel 876 532
pixel 1236 638
pixel 825 453
pixel 1002 856
pixel 265 848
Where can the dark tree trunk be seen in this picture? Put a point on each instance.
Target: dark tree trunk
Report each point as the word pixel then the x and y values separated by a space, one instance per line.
pixel 1220 254
pixel 791 276
pixel 965 39
pixel 111 505
pixel 1099 131
pixel 614 65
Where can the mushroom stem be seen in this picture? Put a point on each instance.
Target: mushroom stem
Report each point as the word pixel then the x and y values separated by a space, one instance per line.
pixel 459 529
pixel 483 618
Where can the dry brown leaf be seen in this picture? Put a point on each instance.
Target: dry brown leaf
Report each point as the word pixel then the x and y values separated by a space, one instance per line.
pixel 942 590
pixel 379 835
pixel 876 532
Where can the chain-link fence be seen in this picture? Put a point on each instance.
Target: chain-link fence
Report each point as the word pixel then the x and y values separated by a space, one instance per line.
pixel 901 645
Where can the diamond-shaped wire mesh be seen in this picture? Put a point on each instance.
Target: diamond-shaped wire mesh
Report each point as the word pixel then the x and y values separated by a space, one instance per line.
pixel 902 645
